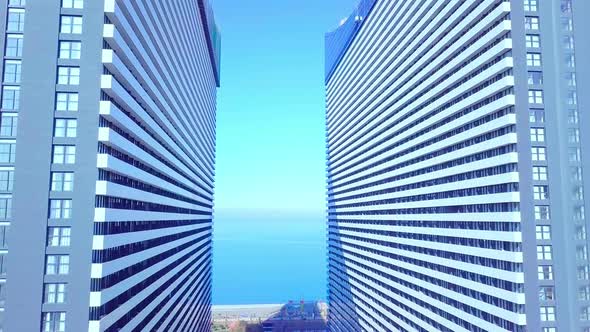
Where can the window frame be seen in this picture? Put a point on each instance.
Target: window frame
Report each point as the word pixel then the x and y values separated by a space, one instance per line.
pixel 71 24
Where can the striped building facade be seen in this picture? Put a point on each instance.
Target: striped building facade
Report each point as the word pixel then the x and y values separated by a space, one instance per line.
pixel 457 161
pixel 110 195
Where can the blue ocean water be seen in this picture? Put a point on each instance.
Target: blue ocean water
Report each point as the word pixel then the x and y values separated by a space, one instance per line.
pixel 261 258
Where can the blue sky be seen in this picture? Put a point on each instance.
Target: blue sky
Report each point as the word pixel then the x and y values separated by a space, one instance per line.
pixel 270 136
pixel 271 150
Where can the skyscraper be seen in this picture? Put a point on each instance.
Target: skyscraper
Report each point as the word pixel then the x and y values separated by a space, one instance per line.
pixel 106 191
pixel 457 162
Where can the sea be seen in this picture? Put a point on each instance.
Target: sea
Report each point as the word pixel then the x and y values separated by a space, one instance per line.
pixel 268 257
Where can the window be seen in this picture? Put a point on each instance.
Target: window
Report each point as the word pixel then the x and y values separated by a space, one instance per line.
pixel 537 116
pixel 54 322
pixel 6 180
pixel 583 273
pixel 547 314
pixel 531 5
pixel 60 209
pixel 573 117
pixel 8 125
pixel 544 253
pixel 539 173
pixel 19 3
pixel 14 45
pixel 535 96
pixel 69 49
pixel 533 59
pixel 68 75
pixel 574 154
pixel 578 193
pixel 7 152
pixel 572 98
pixel 11 98
pixel 567 24
pixel 62 181
pixel 2 293
pixel 585 313
pixel 540 192
pixel 533 41
pixel 584 293
pixel 568 42
pixel 12 71
pixel 71 24
pixel 78 4
pixel 531 23
pixel 535 77
pixel 58 236
pixel 546 293
pixel 543 232
pixel 65 128
pixel 55 293
pixel 582 253
pixel 566 6
pixel 570 61
pixel 2 263
pixel 16 20
pixel 64 154
pixel 5 207
pixel 542 212
pixel 571 79
pixel 537 134
pixel 573 135
pixel 57 264
pixel 3 236
pixel 579 213
pixel 66 101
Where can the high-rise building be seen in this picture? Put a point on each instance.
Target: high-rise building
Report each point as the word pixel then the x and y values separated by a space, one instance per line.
pixel 458 156
pixel 106 191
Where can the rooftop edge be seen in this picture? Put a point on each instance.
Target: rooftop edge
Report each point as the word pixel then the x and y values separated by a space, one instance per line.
pixel 214 37
pixel 338 41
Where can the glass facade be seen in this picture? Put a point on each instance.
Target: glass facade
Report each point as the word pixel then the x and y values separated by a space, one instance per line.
pixel 10 95
pixel 338 41
pixel 426 228
pixel 115 166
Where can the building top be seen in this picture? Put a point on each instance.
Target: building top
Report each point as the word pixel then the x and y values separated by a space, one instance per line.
pixel 214 40
pixel 338 41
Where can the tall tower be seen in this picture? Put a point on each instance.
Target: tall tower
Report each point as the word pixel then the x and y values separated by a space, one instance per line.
pixel 107 155
pixel 457 163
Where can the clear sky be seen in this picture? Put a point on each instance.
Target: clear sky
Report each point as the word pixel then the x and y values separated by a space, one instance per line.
pixel 271 150
pixel 270 133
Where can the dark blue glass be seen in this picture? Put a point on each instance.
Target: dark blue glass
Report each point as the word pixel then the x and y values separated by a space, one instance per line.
pixel 214 35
